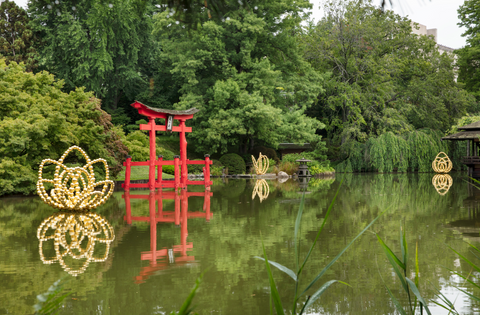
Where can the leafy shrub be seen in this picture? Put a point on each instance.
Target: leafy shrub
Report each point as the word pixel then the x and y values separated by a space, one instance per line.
pixel 216 170
pixel 38 121
pixel 217 163
pixel 168 169
pixel 288 167
pixel 234 163
pixel 196 168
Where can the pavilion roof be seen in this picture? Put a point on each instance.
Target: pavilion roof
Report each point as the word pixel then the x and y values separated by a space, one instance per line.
pixel 472 126
pixel 305 146
pixel 464 135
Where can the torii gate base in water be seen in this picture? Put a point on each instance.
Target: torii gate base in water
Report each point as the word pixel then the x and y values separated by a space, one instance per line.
pixel 181 176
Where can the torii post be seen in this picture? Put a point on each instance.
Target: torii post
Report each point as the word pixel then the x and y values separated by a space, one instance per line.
pixel 169 116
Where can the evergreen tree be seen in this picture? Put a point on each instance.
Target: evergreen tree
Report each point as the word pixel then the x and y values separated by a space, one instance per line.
pixel 104 46
pixel 16 37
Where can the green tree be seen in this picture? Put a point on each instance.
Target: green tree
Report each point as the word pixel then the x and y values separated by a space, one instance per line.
pixel 383 77
pixel 469 56
pixel 16 37
pixel 39 121
pixel 103 46
pixel 246 74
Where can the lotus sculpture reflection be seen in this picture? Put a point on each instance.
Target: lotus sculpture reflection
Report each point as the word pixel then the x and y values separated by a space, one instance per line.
pixel 74 188
pixel 75 235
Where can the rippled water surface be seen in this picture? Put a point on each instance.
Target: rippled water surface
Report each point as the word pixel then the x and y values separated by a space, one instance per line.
pixel 141 253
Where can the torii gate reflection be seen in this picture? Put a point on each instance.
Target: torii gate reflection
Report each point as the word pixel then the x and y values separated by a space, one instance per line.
pixel 179 216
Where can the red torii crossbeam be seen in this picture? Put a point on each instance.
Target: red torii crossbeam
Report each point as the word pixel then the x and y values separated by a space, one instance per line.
pixel 181 180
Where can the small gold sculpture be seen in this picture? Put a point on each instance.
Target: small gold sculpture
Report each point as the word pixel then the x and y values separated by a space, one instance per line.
pixel 68 231
pixel 261 165
pixel 442 164
pixel 442 183
pixel 261 189
pixel 74 187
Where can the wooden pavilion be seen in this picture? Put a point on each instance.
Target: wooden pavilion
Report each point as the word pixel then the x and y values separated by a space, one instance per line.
pixel 471 134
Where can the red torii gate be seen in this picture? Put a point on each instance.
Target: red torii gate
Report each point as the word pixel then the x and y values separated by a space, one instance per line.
pixel 181 180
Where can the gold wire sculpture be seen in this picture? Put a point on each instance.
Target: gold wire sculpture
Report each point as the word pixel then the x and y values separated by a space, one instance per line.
pixel 74 187
pixel 261 189
pixel 75 235
pixel 442 183
pixel 261 165
pixel 442 163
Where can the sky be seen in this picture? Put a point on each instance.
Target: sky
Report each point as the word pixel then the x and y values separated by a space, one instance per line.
pixel 439 14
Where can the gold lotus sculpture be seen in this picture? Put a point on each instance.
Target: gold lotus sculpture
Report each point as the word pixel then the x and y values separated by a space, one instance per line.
pixel 261 165
pixel 74 188
pixel 442 183
pixel 75 235
pixel 261 189
pixel 442 163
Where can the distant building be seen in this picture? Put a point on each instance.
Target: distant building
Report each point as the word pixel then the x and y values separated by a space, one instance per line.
pixel 432 31
pixel 441 48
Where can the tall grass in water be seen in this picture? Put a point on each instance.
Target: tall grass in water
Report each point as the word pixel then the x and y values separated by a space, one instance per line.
pixel 400 266
pixel 300 265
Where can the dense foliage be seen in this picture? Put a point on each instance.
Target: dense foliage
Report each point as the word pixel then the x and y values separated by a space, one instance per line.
pixel 413 151
pixel 234 163
pixel 469 56
pixel 246 74
pixel 358 85
pixel 103 46
pixel 39 121
pixel 384 79
pixel 16 36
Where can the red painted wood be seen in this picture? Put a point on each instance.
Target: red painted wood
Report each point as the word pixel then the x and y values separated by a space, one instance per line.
pixel 206 172
pixel 151 171
pixel 139 163
pixel 177 173
pixel 164 128
pixel 127 173
pixel 183 154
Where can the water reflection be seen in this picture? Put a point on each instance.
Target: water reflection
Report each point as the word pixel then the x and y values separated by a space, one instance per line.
pixel 442 183
pixel 74 235
pixel 261 189
pixel 177 255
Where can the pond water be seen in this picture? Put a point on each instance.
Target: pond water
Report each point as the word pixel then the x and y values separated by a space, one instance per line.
pixel 147 250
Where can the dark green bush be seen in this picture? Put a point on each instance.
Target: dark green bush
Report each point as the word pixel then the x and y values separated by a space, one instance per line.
pixel 234 163
pixel 217 163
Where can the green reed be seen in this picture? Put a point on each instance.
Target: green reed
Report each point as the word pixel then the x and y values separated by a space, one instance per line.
pixel 300 265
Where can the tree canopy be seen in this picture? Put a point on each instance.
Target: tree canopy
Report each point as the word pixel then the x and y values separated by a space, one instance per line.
pixel 469 56
pixel 103 46
pixel 39 121
pixel 17 39
pixel 246 74
pixel 383 77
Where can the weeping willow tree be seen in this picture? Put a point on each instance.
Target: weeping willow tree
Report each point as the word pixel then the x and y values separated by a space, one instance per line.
pixel 413 151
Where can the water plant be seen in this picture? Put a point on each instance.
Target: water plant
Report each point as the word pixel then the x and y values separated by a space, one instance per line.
pixel 299 267
pixel 400 267
pixel 50 301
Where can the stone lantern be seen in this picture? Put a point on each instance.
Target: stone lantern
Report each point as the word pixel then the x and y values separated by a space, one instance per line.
pixel 303 168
